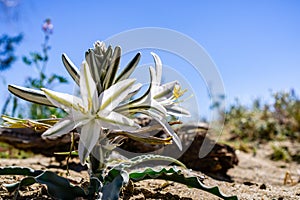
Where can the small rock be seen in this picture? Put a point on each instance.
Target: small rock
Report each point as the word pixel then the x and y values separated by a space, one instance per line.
pixel 263 186
pixel 248 183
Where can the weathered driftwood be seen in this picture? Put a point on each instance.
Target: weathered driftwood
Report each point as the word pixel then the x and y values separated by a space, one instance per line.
pixel 221 158
pixel 217 162
pixel 29 140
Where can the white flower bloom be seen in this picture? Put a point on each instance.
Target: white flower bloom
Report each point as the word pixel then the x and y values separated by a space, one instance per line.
pixel 164 94
pixel 90 112
pixel 158 102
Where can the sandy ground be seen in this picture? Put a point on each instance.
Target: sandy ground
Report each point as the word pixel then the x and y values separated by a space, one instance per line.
pixel 255 177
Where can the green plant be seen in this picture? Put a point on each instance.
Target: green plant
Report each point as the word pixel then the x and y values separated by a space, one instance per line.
pixel 38 61
pixel 7 151
pixel 7 58
pixel 264 122
pixel 280 153
pixel 7 50
pixel 105 113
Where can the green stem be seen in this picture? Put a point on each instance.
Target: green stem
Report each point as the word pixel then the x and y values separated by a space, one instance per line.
pixel 95 165
pixel 97 162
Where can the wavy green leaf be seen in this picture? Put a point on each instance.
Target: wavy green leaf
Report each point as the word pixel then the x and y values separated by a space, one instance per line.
pixel 15 170
pixel 144 158
pixel 114 182
pixel 176 175
pixel 58 187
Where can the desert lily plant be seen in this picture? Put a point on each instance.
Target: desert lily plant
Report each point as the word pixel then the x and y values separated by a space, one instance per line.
pixel 104 115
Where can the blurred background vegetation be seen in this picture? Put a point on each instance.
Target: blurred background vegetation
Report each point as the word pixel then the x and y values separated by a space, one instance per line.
pixel 266 123
pixel 37 61
pixel 279 120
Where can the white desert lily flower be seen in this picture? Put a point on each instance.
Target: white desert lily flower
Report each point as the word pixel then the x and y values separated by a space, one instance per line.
pixel 157 102
pixel 90 112
pixel 164 94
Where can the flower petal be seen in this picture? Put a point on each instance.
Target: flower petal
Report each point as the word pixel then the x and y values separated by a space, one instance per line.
pixel 177 111
pixel 144 138
pixel 62 100
pixel 168 129
pixel 141 107
pixel 163 122
pixel 88 89
pixel 146 98
pixel 117 121
pixel 133 91
pixel 89 136
pixel 62 127
pixel 165 90
pixel 67 124
pixel 158 69
pixel 114 95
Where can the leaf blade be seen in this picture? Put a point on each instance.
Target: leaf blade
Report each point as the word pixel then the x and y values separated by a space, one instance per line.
pixel 71 68
pixel 32 95
pixel 176 175
pixel 113 68
pixel 128 70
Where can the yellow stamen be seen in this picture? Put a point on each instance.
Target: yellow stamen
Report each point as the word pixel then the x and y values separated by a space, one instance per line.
pixel 178 92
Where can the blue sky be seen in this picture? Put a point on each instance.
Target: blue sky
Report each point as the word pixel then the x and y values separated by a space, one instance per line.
pixel 254 44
